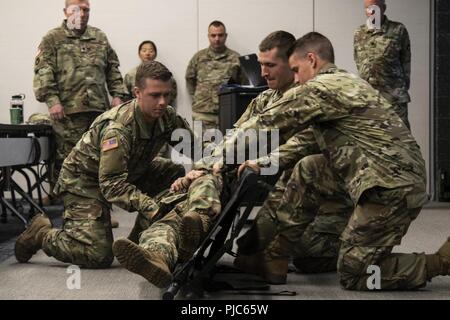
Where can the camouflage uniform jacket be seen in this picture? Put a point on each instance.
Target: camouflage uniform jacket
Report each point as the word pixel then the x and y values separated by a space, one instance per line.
pixel 73 70
pixel 288 154
pixel 130 82
pixel 206 72
pixel 383 58
pixel 364 140
pixel 116 151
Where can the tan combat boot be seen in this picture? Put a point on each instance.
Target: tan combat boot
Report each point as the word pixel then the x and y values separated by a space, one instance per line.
pixel 272 264
pixel 30 241
pixel 276 270
pixel 251 264
pixel 193 229
pixel 150 265
pixel 276 261
pixel 272 269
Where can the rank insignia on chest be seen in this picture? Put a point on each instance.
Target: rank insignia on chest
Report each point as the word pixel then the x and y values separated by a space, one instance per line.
pixel 110 144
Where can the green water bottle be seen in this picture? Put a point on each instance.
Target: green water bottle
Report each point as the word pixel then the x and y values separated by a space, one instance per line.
pixel 16 110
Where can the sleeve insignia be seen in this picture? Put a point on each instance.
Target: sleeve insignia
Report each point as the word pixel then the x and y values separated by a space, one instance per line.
pixel 110 144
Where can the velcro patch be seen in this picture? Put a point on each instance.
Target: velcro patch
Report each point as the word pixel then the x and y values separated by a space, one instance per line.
pixel 110 144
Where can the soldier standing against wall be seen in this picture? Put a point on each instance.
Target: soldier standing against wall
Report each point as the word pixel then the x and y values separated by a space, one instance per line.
pixel 74 65
pixel 383 58
pixel 207 70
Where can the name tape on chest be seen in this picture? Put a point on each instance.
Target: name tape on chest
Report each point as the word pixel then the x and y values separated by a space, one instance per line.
pixel 110 144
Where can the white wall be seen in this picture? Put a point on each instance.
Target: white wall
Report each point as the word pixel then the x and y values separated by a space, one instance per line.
pixel 179 28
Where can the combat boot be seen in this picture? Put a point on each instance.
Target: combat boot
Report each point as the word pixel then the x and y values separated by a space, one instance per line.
pixel 273 269
pixel 276 261
pixel 193 229
pixel 251 264
pixel 30 241
pixel 276 270
pixel 150 265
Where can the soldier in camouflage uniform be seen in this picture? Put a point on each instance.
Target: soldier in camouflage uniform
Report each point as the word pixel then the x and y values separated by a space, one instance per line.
pixel 154 252
pixel 317 248
pixel 147 52
pixel 375 161
pixel 174 238
pixel 383 58
pixel 207 71
pixel 113 163
pixel 73 67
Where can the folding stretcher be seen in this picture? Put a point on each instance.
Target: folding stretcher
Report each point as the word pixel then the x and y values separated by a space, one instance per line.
pixel 197 275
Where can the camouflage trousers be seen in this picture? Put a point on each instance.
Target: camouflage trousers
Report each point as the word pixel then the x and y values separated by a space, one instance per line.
pixel 209 120
pixel 402 110
pixel 86 237
pixel 163 236
pixel 67 133
pixel 376 224
pixel 323 205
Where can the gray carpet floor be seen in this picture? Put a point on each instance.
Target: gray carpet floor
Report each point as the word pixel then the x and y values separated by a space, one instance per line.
pixel 46 278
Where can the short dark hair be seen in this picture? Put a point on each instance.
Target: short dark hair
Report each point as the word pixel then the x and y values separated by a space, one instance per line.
pixel 151 70
pixel 150 42
pixel 316 43
pixel 279 39
pixel 217 24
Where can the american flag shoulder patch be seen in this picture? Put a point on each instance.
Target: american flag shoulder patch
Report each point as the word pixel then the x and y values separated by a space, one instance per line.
pixel 110 144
